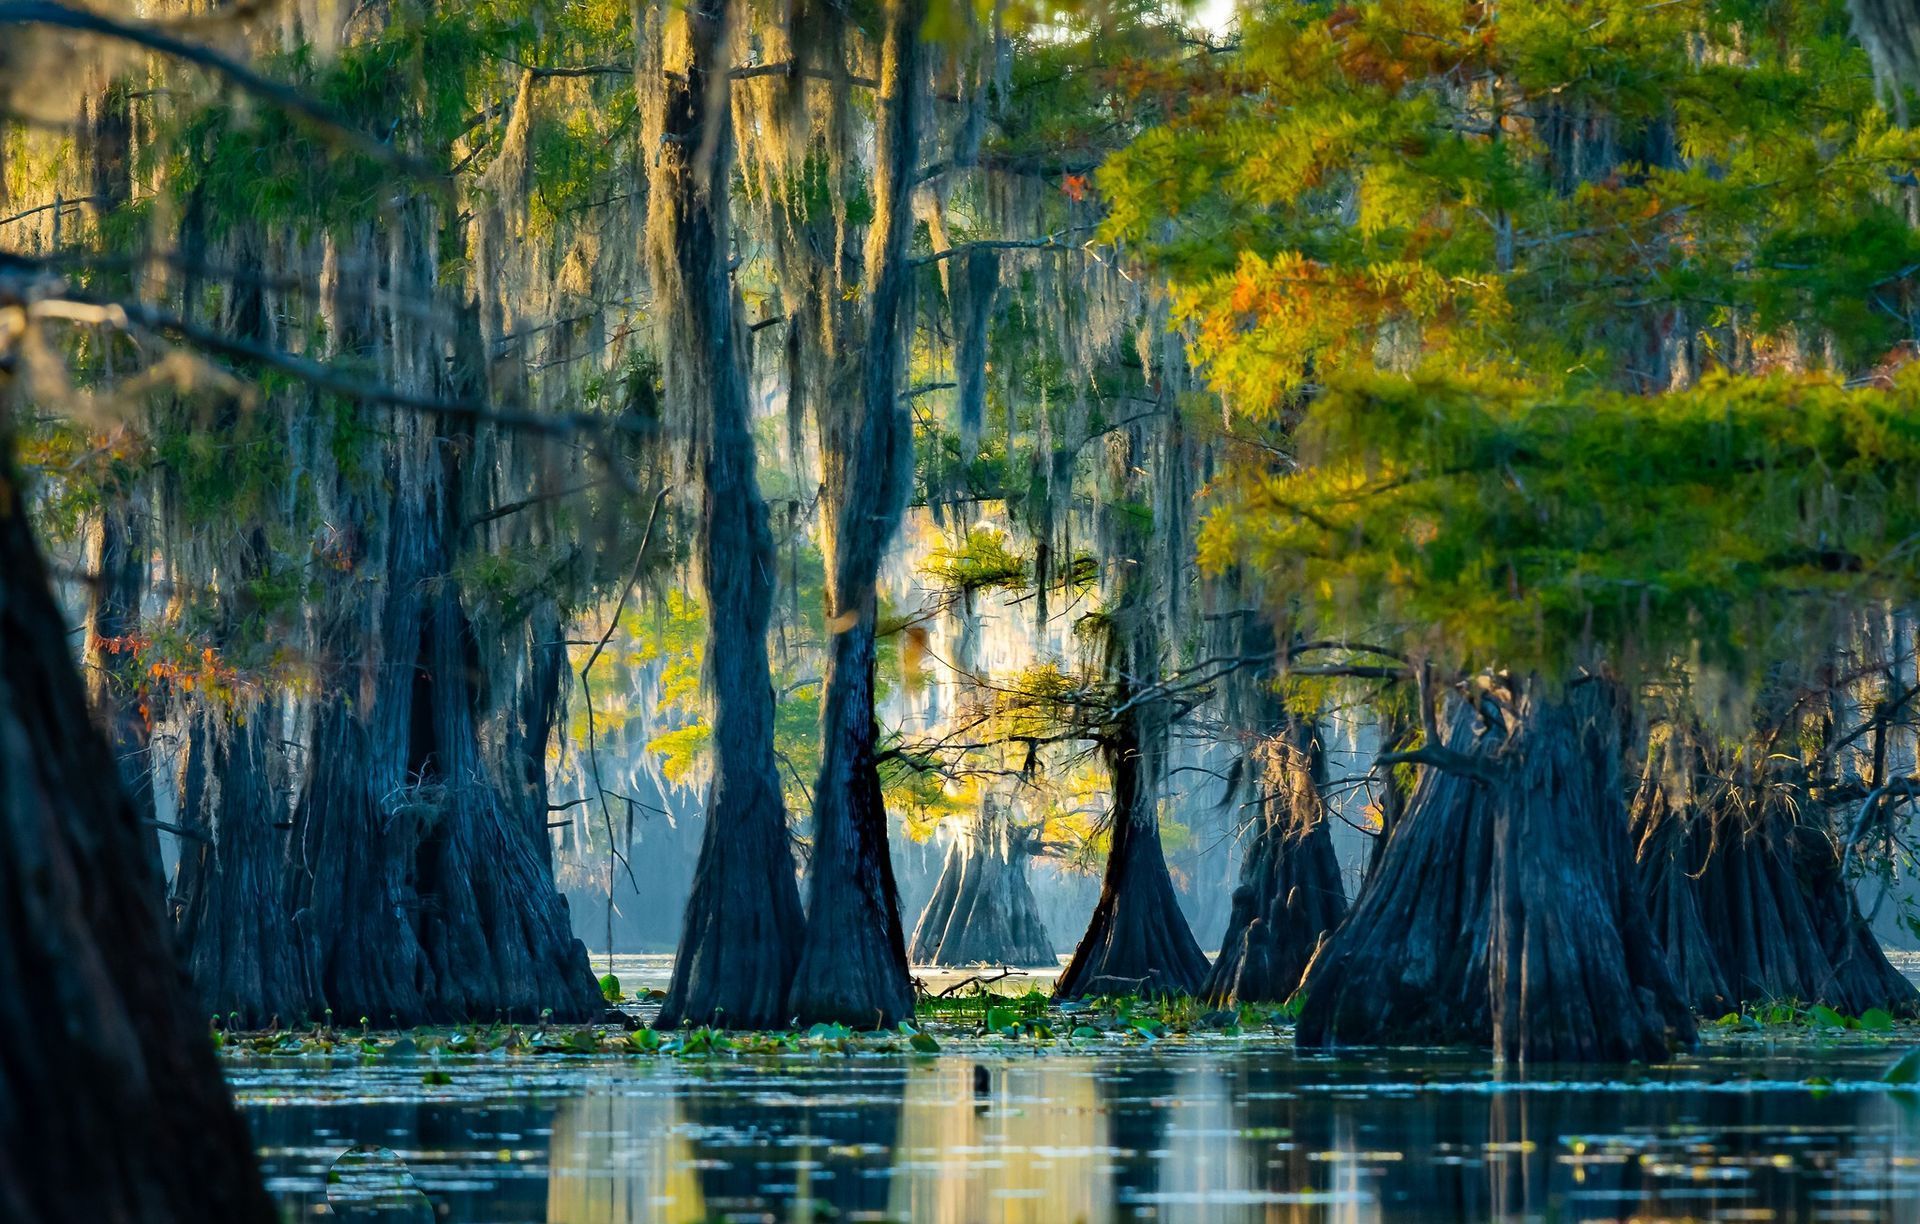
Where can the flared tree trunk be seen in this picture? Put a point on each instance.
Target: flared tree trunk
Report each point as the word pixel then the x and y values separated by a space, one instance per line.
pixel 1290 895
pixel 741 937
pixel 421 868
pixel 853 960
pixel 111 1100
pixel 240 945
pixel 1665 855
pixel 983 910
pixel 1747 891
pixel 230 886
pixel 1535 941
pixel 495 927
pixel 1138 941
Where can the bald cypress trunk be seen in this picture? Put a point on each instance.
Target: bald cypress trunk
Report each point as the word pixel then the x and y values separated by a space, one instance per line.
pixel 111 1101
pixel 1748 882
pixel 1290 895
pixel 1667 855
pixel 1138 941
pixel 983 910
pixel 1538 945
pixel 740 940
pixel 117 553
pixel 853 963
pixel 230 885
pixel 421 871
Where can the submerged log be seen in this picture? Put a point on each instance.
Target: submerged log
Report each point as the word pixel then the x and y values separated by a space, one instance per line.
pixel 1538 944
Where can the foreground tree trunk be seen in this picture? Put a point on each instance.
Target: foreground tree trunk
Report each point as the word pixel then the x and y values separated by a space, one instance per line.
pixel 1538 944
pixel 853 962
pixel 111 1101
pixel 1290 895
pixel 741 938
pixel 983 910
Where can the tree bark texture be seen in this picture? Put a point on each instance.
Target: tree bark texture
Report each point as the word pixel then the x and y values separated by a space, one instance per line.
pixel 740 941
pixel 112 1106
pixel 1290 895
pixel 853 962
pixel 1505 912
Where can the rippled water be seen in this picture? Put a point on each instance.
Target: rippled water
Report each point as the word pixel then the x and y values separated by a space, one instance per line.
pixel 1219 1128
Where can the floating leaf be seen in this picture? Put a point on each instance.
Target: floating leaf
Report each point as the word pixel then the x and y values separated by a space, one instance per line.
pixel 1876 1020
pixel 1823 1016
pixel 924 1043
pixel 1906 1071
pixel 645 1040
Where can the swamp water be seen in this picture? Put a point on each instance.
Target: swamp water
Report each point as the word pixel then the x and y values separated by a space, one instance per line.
pixel 1784 1124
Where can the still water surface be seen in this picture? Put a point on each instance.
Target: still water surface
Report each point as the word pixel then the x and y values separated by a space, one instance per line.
pixel 1218 1129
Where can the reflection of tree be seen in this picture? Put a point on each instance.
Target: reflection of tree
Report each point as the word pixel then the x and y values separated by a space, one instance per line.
pixel 1023 1146
pixel 448 1150
pixel 1136 1104
pixel 615 1159
pixel 818 1143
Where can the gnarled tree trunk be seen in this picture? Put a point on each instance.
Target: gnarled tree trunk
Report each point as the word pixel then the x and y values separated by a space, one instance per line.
pixel 741 937
pixel 983 910
pixel 1775 921
pixel 1290 893
pixel 1537 943
pixel 1784 925
pixel 111 1100
pixel 421 867
pixel 853 961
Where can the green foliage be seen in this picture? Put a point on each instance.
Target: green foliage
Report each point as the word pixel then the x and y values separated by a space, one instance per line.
pixel 1520 527
pixel 1905 1072
pixel 1569 313
pixel 982 562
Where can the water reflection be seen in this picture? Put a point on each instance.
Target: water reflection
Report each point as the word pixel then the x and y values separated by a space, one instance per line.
pixel 1236 1133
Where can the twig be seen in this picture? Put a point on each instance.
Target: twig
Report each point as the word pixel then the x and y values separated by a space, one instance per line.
pixel 1006 971
pixel 586 689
